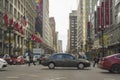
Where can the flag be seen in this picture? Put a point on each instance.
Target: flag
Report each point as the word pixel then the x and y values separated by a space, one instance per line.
pixel 11 22
pixel 23 21
pixel 5 18
pixel 20 29
pixel 16 26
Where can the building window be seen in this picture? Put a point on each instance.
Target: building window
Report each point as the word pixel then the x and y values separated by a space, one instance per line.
pixel 115 18
pixel 1 3
pixel 11 9
pixel 1 35
pixel 6 5
pixel 19 5
pixel 19 15
pixel 15 2
pixel 11 1
pixel 15 13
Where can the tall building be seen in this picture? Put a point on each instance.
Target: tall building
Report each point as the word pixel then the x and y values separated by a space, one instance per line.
pixel 46 27
pixel 43 26
pixel 73 31
pixel 56 40
pixel 83 17
pixel 16 25
pixel 52 25
pixel 68 41
pixel 59 46
pixel 113 31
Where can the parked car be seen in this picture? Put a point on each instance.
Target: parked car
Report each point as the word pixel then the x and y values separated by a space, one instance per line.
pixel 6 57
pixel 3 63
pixel 13 60
pixel 20 60
pixel 110 63
pixel 64 60
pixel 36 56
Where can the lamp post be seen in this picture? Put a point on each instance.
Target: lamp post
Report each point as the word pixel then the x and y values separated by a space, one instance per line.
pixel 28 42
pixel 102 34
pixel 9 32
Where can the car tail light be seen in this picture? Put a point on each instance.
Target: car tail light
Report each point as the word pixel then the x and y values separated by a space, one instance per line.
pixel 18 60
pixel 10 60
pixel 43 58
pixel 103 59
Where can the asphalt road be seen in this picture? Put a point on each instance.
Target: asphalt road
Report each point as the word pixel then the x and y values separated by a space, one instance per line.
pixel 38 72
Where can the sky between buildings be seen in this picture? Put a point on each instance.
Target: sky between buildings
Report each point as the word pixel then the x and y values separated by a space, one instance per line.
pixel 60 9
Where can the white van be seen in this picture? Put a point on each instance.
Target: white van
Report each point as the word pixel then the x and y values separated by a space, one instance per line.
pixel 3 63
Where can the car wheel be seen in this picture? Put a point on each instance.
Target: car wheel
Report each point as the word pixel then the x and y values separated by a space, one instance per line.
pixel 14 62
pixel 115 68
pixel 81 66
pixel 110 71
pixel 51 65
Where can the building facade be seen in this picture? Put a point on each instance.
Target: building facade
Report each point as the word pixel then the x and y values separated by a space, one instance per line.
pixel 16 24
pixel 73 31
pixel 83 12
pixel 43 26
pixel 52 25
pixel 113 31
pixel 108 43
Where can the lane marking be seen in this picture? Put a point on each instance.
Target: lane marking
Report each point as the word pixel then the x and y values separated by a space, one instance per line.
pixel 12 77
pixel 58 78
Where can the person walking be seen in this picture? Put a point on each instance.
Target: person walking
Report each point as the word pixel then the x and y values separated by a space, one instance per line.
pixel 96 61
pixel 31 59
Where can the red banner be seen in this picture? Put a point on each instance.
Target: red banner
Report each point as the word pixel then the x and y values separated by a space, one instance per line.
pixel 107 12
pixel 98 18
pixel 102 15
pixel 35 38
pixel 11 22
pixel 5 18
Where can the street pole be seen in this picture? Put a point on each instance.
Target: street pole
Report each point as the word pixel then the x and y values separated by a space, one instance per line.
pixel 28 47
pixel 9 29
pixel 102 31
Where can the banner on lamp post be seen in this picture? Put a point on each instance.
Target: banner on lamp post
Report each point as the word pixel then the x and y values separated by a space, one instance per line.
pixel 102 15
pixel 98 18
pixel 107 12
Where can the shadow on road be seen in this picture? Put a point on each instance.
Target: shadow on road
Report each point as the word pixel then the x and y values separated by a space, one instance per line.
pixel 2 70
pixel 64 69
pixel 108 73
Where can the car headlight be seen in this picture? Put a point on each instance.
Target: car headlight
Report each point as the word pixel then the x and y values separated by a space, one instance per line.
pixel 2 61
pixel 87 61
pixel 10 60
pixel 18 60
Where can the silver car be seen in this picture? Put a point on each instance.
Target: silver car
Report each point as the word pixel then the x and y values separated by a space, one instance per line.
pixel 64 60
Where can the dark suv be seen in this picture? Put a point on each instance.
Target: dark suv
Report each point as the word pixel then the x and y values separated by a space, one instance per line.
pixel 64 60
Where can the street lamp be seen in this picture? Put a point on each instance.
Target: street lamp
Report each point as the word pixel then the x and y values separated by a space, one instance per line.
pixel 102 34
pixel 9 32
pixel 28 46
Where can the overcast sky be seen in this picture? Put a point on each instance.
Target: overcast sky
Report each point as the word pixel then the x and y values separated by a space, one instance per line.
pixel 60 9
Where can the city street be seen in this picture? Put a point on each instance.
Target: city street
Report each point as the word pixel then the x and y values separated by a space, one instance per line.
pixel 38 72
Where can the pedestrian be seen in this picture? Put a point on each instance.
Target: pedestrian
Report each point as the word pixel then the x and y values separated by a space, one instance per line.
pixel 31 59
pixel 96 61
